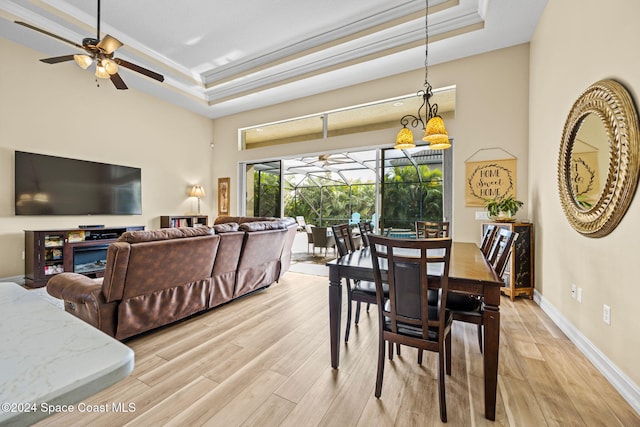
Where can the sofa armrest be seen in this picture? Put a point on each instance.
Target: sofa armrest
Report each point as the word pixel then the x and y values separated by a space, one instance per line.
pixel 74 287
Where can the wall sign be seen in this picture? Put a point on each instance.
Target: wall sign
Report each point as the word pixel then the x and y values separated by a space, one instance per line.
pixel 489 179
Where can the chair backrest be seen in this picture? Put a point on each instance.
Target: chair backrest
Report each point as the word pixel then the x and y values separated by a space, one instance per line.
pixel 355 218
pixel 487 238
pixel 501 249
pixel 432 229
pixel 319 236
pixel 343 238
pixel 365 229
pixel 414 267
pixel 301 222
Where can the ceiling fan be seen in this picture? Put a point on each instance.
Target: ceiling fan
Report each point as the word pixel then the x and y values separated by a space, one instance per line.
pixel 100 51
pixel 328 160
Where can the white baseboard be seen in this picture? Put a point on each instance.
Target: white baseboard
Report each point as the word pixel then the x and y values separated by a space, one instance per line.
pixel 621 382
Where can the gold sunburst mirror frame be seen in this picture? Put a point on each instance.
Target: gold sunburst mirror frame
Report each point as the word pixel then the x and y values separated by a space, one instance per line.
pixel 612 104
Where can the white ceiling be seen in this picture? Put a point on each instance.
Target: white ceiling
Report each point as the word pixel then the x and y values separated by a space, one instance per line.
pixel 223 57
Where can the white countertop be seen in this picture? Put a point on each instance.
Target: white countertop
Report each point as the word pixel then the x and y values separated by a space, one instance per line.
pixel 50 357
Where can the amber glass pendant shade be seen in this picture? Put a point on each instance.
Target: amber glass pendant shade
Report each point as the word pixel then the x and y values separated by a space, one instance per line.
pixel 436 134
pixel 404 139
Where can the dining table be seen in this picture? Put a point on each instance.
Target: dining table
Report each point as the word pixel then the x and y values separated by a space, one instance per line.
pixel 469 273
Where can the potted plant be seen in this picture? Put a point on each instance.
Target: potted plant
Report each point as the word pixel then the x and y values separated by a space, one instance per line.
pixel 503 209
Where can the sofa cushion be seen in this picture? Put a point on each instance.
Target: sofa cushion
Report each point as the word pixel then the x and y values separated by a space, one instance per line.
pixel 163 234
pixel 242 219
pixel 226 227
pixel 262 226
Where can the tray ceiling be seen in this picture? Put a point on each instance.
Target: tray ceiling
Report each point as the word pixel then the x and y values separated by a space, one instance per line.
pixel 224 57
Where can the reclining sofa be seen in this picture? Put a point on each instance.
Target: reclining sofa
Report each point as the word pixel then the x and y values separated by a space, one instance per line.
pixel 153 278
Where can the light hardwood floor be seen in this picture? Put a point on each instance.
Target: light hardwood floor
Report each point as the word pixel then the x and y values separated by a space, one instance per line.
pixel 265 361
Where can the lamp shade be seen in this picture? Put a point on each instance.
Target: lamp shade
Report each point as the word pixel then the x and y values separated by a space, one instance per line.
pixel 110 66
pixel 83 61
pixel 436 134
pixel 101 73
pixel 196 191
pixel 404 139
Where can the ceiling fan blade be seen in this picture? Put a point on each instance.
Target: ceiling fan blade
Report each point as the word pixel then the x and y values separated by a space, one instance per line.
pixel 57 59
pixel 109 44
pixel 139 69
pixel 118 82
pixel 24 24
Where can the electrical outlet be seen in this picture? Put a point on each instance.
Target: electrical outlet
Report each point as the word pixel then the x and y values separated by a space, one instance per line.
pixel 579 295
pixel 23 255
pixel 482 215
pixel 573 290
pixel 606 314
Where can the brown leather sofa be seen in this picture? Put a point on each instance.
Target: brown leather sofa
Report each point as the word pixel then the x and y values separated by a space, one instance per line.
pixel 154 278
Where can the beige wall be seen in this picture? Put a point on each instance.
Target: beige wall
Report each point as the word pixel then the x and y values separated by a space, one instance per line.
pixel 491 111
pixel 577 43
pixel 58 110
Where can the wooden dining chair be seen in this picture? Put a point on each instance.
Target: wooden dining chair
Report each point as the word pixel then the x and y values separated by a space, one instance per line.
pixel 365 229
pixel 501 250
pixel 487 238
pixel 408 317
pixel 469 308
pixel 358 291
pixel 431 229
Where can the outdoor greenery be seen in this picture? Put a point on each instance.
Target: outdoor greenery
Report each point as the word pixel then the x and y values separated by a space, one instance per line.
pixel 266 187
pixel 330 204
pixel 410 194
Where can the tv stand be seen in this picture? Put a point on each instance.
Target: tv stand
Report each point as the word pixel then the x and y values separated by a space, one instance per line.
pixel 81 250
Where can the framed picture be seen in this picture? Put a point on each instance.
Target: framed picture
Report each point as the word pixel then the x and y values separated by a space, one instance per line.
pixel 223 196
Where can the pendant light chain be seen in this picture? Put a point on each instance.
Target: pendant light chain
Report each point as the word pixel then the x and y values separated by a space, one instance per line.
pixel 435 133
pixel 426 45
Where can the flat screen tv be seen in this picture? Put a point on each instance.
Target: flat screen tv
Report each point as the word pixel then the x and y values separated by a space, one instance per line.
pixel 49 185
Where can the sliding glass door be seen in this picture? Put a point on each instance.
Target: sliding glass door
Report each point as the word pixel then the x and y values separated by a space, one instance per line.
pixel 263 189
pixel 415 186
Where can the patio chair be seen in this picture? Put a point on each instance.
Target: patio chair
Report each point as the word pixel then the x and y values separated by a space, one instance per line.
pixel 309 236
pixel 321 239
pixel 355 218
pixel 301 223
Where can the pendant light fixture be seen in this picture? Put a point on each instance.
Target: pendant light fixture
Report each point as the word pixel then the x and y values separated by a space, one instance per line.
pixel 435 132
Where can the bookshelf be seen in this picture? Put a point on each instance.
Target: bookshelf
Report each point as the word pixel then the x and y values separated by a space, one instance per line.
pixel 80 250
pixel 174 221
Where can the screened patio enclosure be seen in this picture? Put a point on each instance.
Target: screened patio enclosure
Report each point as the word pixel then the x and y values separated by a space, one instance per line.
pixel 395 188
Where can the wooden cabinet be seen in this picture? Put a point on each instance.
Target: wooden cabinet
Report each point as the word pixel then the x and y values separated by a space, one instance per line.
pixel 519 274
pixel 80 250
pixel 170 221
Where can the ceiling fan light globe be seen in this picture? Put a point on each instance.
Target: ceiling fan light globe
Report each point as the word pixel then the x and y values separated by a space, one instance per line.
pixel 110 66
pixel 101 73
pixel 83 61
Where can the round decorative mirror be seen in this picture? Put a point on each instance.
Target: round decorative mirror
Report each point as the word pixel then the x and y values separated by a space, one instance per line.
pixel 599 160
